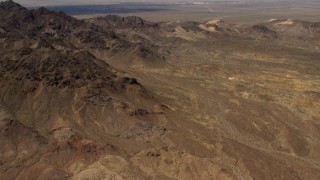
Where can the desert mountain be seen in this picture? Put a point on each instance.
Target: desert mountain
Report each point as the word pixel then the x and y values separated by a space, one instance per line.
pixel 124 98
pixel 59 28
pixel 58 101
pixel 118 22
pixel 293 27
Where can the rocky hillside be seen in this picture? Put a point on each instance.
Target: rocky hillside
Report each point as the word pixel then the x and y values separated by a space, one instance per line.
pixel 60 105
pixel 118 22
pixel 124 98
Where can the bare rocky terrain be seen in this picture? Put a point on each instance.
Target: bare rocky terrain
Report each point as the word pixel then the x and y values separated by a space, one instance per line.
pixel 116 97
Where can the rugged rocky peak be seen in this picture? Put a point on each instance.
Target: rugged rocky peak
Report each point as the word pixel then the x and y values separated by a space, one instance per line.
pixel 116 21
pixel 57 27
pixel 11 5
pixel 263 30
pixel 14 17
pixel 260 28
pixel 64 70
pixel 294 27
pixel 42 11
pixel 134 21
pixel 47 55
pixel 56 68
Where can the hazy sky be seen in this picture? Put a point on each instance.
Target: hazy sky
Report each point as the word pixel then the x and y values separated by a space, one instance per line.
pixel 83 2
